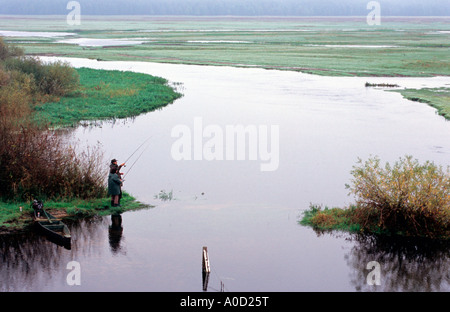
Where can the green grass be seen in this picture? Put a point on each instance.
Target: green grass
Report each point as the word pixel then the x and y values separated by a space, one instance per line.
pixel 324 46
pixel 438 98
pixel 11 218
pixel 329 219
pixel 107 94
pixel 102 95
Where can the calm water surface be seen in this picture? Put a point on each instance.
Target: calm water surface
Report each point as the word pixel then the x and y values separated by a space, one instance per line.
pixel 247 218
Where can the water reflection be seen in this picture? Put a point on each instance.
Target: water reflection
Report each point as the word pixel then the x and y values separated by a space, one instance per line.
pixel 407 264
pixel 115 233
pixel 326 125
pixel 26 258
pixel 31 262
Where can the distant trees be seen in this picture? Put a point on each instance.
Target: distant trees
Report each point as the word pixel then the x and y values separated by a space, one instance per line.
pixel 229 7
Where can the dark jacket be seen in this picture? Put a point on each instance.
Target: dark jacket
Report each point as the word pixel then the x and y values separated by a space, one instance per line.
pixel 114 184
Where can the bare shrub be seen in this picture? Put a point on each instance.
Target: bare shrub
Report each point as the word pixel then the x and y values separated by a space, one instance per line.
pixel 39 163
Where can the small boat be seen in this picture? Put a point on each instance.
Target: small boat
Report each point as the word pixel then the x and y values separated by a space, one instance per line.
pixel 54 228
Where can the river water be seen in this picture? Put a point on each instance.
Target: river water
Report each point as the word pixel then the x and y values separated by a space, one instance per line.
pixel 247 217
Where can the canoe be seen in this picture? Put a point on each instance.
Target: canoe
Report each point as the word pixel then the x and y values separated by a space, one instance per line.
pixel 53 227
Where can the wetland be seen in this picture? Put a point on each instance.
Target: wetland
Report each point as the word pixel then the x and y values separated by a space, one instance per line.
pixel 248 218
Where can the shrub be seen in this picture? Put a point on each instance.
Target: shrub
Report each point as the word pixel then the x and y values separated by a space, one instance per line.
pixel 57 78
pixel 7 51
pixel 407 197
pixel 36 162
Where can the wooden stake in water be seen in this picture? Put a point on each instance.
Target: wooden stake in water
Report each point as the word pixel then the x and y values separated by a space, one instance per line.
pixel 206 269
pixel 205 261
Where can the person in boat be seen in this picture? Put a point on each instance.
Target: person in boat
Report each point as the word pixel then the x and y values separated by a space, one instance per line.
pixel 38 207
pixel 115 167
pixel 114 186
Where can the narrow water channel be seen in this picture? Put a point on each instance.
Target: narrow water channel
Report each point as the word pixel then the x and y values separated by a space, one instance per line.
pixel 248 218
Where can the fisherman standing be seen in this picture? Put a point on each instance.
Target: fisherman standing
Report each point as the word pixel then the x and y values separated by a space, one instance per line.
pixel 115 168
pixel 115 183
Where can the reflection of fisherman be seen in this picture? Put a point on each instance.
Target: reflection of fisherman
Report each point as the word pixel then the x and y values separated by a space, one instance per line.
pixel 115 168
pixel 114 186
pixel 115 232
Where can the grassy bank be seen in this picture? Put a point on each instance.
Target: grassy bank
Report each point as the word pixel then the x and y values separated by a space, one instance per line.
pixel 107 94
pixel 37 163
pixel 12 219
pixel 438 98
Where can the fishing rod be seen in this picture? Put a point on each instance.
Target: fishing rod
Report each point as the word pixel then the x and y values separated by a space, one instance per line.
pixel 135 161
pixel 137 149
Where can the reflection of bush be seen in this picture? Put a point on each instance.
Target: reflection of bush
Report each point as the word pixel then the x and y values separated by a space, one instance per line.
pixel 407 264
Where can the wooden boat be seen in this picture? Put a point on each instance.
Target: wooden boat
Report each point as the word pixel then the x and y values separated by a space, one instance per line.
pixel 53 227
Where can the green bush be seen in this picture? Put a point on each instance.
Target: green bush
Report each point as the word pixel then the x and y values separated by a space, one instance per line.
pixel 8 51
pixel 57 78
pixel 408 197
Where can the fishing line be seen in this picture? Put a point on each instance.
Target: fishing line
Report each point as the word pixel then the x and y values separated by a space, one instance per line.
pixel 137 149
pixel 136 160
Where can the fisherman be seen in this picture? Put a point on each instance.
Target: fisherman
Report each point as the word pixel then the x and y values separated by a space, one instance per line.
pixel 114 186
pixel 116 168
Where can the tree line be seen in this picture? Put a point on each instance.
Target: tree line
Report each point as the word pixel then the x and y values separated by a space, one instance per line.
pixel 229 7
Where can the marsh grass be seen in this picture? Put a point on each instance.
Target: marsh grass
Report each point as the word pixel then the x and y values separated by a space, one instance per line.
pixel 328 219
pixel 348 47
pixel 439 98
pixel 164 196
pixel 11 218
pixel 107 94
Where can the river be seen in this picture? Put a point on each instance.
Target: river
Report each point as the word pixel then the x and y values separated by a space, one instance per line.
pixel 246 216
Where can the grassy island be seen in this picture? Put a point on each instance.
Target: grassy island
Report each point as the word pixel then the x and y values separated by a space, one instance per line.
pixel 407 198
pixel 107 94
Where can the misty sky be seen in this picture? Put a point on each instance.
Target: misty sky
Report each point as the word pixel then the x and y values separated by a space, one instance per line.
pixel 230 7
